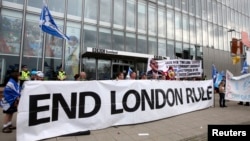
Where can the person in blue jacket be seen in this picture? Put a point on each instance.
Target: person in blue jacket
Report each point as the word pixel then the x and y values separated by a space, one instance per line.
pixel 11 95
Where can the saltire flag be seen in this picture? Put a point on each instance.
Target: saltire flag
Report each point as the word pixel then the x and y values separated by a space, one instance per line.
pixel 244 68
pixel 48 25
pixel 214 73
pixel 129 71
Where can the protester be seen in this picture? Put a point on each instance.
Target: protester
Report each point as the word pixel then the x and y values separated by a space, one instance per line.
pixel 77 77
pixel 143 76
pixel 11 95
pixel 133 76
pixel 120 76
pixel 39 75
pixel 83 76
pixel 222 94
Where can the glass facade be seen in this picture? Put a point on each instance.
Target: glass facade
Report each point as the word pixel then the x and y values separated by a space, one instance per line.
pixel 172 28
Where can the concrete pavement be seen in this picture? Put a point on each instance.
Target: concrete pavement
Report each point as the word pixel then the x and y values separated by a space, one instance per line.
pixel 186 127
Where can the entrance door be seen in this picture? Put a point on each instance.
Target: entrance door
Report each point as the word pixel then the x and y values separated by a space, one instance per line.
pixel 119 68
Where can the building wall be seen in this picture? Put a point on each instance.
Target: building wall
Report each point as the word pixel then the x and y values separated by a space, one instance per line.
pixel 159 27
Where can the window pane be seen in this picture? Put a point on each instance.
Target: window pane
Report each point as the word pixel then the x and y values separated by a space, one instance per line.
pixel 104 71
pixel 186 51
pixel 210 10
pixel 130 14
pixel 205 37
pixel 90 36
pixel 89 66
pixel 142 17
pixel 118 40
pixel 57 5
pixel 142 44
pixel 192 30
pixel 162 50
pixel 191 5
pixel 169 2
pixel 35 3
pixel 178 27
pixel 152 46
pixel 198 8
pixel 118 13
pixel 211 34
pixel 151 20
pixel 170 49
pixel 177 4
pixel 75 7
pixel 104 38
pixel 33 43
pixel 215 13
pixel 72 51
pixel 90 10
pixel 185 28
pixel 10 38
pixel 198 32
pixel 105 12
pixel 130 42
pixel 161 23
pixel 204 9
pixel 170 24
pixel 184 4
pixel 15 1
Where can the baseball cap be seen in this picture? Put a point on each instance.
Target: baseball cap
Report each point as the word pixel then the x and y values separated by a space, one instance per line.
pixel 40 74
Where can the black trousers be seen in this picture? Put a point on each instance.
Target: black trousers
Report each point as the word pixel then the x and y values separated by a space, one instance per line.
pixel 222 99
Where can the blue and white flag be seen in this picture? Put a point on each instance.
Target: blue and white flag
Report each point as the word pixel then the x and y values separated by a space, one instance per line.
pixel 48 25
pixel 244 68
pixel 214 73
pixel 129 71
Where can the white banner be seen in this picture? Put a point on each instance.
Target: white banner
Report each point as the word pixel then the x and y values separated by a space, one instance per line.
pixel 182 67
pixel 237 87
pixel 53 108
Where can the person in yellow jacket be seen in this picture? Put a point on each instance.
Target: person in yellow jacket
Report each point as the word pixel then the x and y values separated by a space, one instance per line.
pixel 24 75
pixel 61 75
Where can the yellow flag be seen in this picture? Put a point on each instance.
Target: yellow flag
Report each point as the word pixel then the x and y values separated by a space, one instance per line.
pixel 236 59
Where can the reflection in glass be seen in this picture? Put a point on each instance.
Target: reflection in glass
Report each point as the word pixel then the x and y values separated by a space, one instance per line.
pixel 198 32
pixel 152 46
pixel 210 34
pixel 105 11
pixel 104 70
pixel 118 40
pixel 72 50
pixel 198 8
pixel 192 30
pixel 33 43
pixel 170 24
pixel 142 44
pixel 185 28
pixel 178 26
pixel 191 5
pixel 152 20
pixel 178 49
pixel 118 13
pixel 205 32
pixel 90 9
pixel 15 1
pixel 130 42
pixel 161 23
pixel 75 7
pixel 90 37
pixel 170 49
pixel 130 19
pixel 57 5
pixel 89 66
pixel 104 38
pixel 162 50
pixel 10 34
pixel 35 3
pixel 142 17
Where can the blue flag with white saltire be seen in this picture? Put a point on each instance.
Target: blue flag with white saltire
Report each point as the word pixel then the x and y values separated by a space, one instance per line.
pixel 244 68
pixel 48 25
pixel 129 71
pixel 214 73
